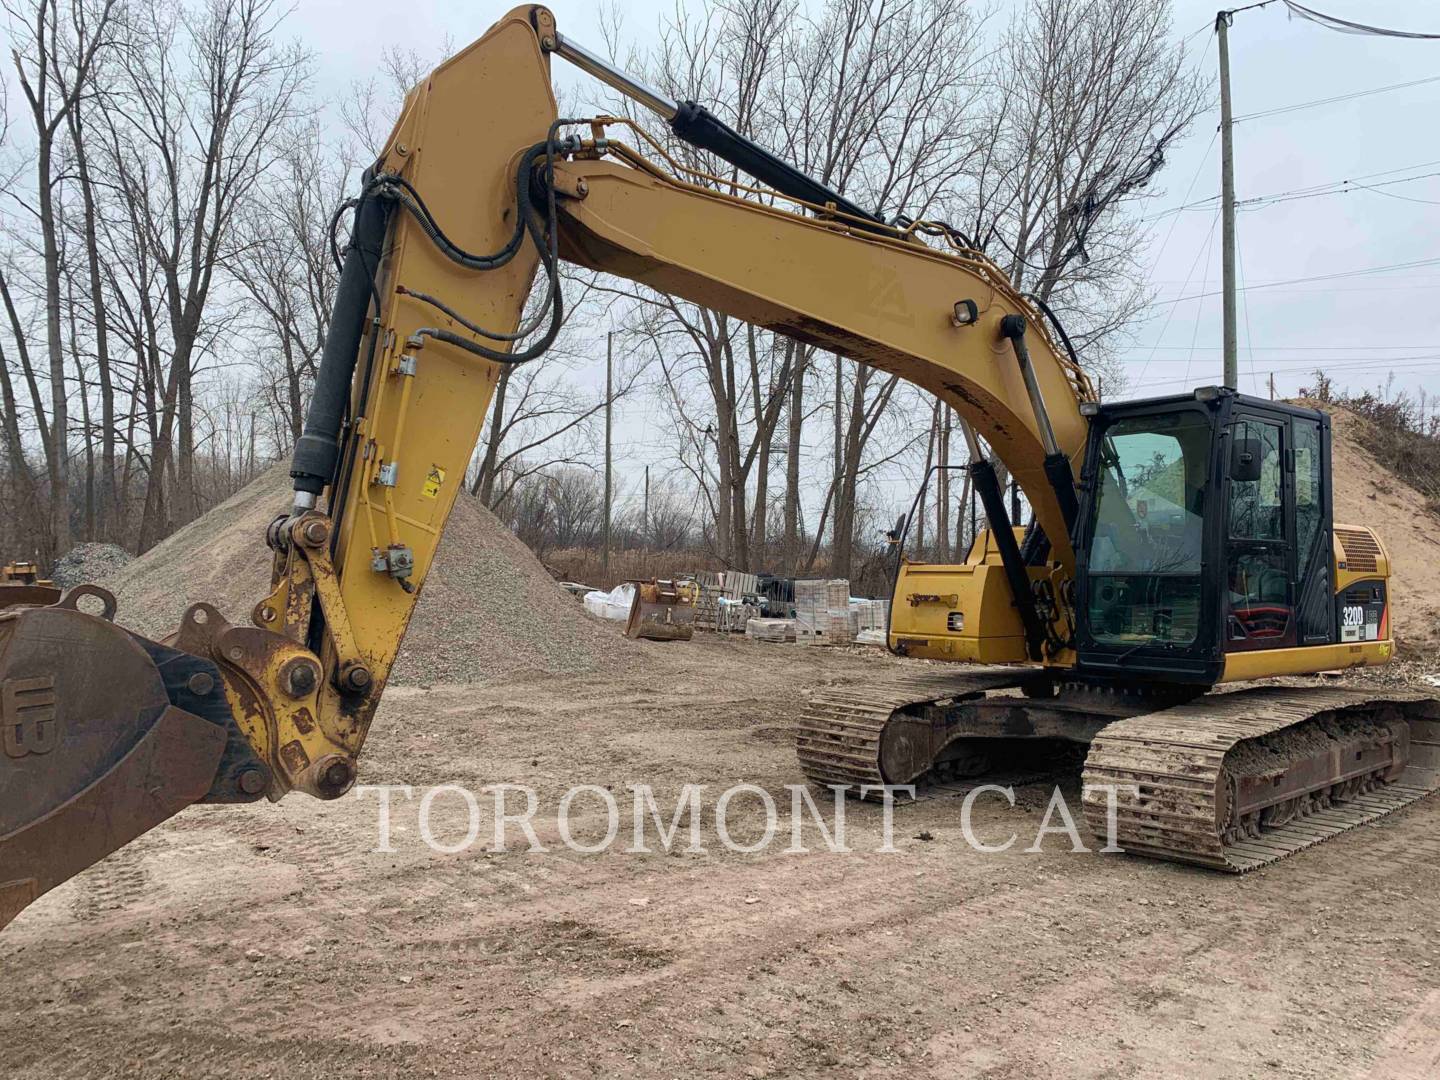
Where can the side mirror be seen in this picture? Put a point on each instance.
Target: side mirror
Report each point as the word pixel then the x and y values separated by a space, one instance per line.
pixel 893 536
pixel 1245 457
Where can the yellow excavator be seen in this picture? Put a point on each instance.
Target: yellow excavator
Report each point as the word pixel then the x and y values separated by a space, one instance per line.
pixel 1177 543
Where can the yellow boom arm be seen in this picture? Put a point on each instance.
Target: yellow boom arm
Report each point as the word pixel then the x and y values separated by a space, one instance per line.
pixel 880 297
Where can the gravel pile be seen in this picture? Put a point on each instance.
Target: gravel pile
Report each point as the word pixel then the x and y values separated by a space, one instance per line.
pixel 487 609
pixel 490 608
pixel 94 564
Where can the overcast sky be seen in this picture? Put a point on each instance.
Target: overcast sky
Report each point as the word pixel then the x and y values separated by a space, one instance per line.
pixel 1359 327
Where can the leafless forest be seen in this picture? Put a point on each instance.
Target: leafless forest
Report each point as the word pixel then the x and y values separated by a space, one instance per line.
pixel 169 174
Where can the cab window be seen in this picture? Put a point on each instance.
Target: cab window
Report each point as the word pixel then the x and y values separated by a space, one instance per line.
pixel 1144 560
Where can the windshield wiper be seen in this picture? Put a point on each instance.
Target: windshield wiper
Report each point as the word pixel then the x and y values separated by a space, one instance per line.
pixel 1170 645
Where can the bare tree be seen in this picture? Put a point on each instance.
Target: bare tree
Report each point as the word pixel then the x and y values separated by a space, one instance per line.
pixel 55 49
pixel 1088 97
pixel 285 265
pixel 847 96
pixel 369 112
pixel 195 123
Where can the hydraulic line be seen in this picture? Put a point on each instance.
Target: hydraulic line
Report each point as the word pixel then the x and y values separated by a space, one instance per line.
pixel 699 127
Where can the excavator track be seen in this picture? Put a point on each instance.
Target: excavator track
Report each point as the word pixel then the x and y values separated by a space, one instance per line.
pixel 862 736
pixel 1237 780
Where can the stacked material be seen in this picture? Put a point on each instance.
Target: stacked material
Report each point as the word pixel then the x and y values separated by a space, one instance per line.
pixel 738 586
pixel 709 592
pixel 776 630
pixel 822 612
pixel 869 614
pixel 725 600
pixel 736 614
pixel 871 620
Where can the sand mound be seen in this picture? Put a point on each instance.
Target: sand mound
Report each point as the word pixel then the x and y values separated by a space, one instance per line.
pixel 1367 494
pixel 488 608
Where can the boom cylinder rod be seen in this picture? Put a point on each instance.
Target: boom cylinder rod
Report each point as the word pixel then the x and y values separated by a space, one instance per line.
pixel 614 78
pixel 699 127
pixel 1057 466
pixel 1013 327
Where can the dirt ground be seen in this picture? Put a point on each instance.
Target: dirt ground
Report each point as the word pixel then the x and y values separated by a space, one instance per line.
pixel 273 941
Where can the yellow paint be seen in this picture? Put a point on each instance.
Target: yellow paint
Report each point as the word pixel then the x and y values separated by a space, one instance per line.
pixel 1306 660
pixel 883 300
pixel 1345 575
pixel 458 140
pixel 962 611
pixel 843 291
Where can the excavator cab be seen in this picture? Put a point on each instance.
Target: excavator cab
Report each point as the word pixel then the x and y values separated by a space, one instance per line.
pixel 1205 542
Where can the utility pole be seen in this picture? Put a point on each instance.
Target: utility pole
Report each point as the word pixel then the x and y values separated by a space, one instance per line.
pixel 1227 202
pixel 1272 386
pixel 609 399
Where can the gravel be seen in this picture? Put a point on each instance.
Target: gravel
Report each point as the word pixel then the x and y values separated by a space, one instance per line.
pixel 89 563
pixel 487 609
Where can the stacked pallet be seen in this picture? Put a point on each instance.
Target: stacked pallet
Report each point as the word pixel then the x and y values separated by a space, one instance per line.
pixel 735 615
pixel 871 618
pixel 870 614
pixel 822 612
pixel 775 630
pixel 738 586
pixel 708 591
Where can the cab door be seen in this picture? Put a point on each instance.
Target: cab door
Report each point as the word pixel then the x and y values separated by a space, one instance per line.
pixel 1260 602
pixel 1314 558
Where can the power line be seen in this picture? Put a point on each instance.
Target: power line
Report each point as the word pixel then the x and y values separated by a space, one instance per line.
pixel 1303 280
pixel 1341 187
pixel 1329 188
pixel 1245 304
pixel 1195 334
pixel 1336 99
pixel 1346 365
pixel 1414 360
pixel 1304 348
pixel 1345 26
pixel 1403 198
pixel 1204 159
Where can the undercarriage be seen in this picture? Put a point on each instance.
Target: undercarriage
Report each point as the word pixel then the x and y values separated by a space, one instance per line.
pixel 1230 780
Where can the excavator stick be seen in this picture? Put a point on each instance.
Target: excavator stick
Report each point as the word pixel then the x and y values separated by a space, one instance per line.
pixel 103 735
